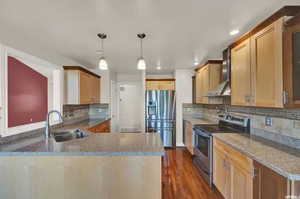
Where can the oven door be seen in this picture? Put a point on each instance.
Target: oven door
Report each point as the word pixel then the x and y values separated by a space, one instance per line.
pixel 203 152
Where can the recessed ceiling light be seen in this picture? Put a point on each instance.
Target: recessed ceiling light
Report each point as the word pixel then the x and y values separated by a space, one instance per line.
pixel 196 63
pixel 234 32
pixel 158 67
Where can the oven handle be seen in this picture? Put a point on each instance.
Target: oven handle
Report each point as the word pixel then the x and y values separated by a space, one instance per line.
pixel 200 133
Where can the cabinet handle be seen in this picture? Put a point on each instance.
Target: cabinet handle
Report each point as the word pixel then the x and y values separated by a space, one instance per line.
pixel 254 172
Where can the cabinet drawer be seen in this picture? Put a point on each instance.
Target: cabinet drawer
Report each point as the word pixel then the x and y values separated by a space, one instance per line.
pixel 235 156
pixel 101 128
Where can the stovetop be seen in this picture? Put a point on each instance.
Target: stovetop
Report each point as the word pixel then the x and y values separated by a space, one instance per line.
pixel 215 128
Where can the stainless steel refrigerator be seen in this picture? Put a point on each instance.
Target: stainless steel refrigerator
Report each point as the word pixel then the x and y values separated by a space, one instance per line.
pixel 160 115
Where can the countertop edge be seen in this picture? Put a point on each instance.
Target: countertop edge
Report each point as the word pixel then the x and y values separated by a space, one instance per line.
pixel 290 176
pixel 37 154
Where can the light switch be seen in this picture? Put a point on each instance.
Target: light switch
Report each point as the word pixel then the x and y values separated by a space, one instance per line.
pixel 268 121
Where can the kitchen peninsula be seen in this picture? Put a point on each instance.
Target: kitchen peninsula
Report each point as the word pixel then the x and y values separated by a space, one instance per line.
pixel 106 165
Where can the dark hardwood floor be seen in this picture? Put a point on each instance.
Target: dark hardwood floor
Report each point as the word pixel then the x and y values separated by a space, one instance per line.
pixel 181 179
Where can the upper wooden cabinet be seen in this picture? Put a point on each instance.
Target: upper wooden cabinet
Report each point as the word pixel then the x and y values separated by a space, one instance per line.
pixel 265 63
pixel 160 84
pixel 257 68
pixel 267 66
pixel 207 78
pixel 241 74
pixel 81 86
pixel 292 62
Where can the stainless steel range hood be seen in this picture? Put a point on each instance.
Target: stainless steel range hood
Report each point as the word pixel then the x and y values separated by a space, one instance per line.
pixel 223 89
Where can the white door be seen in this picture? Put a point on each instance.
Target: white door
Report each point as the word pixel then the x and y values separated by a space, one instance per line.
pixel 113 108
pixel 130 108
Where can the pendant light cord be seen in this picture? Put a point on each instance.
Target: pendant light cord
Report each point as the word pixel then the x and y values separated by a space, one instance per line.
pixel 102 47
pixel 142 47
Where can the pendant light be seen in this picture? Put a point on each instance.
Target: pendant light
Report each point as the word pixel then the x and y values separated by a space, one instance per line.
pixel 102 61
pixel 141 64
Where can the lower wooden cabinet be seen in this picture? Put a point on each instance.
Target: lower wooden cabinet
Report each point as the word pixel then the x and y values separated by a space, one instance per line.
pixel 221 173
pixel 236 176
pixel 232 172
pixel 103 127
pixel 188 136
pixel 268 184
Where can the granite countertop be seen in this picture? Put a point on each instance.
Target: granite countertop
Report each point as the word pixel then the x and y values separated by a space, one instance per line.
pixel 280 158
pixel 195 120
pixel 101 144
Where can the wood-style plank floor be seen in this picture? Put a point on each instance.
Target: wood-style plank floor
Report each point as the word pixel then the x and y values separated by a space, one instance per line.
pixel 181 179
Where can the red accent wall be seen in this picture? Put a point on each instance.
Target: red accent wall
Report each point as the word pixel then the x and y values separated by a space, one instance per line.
pixel 27 94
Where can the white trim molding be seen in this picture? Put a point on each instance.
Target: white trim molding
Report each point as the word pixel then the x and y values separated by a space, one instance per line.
pixel 55 87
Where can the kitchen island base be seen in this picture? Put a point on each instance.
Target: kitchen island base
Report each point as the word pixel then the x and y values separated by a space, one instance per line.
pixel 80 177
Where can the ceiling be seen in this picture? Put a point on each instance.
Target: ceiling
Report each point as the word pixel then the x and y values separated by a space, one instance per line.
pixel 178 31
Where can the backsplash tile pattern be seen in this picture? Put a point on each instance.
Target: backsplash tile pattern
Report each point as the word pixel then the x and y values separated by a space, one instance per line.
pixel 285 127
pixel 76 113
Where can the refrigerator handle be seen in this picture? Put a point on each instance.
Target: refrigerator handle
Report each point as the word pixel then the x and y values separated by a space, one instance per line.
pixel 174 103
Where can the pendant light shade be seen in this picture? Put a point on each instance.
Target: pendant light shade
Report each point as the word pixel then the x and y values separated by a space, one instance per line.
pixel 102 61
pixel 141 63
pixel 102 64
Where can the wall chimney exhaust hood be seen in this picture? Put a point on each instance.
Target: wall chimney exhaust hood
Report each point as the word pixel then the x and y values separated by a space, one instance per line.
pixel 223 90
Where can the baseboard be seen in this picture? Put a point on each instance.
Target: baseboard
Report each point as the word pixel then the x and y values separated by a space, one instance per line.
pixel 180 145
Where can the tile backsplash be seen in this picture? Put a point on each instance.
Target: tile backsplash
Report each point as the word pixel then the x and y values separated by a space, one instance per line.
pixel 285 126
pixel 75 113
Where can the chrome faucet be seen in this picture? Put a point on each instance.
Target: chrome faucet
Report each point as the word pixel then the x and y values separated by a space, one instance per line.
pixel 47 130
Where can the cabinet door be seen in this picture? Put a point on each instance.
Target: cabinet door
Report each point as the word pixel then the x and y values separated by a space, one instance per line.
pixel 241 74
pixel 198 87
pixel 267 65
pixel 242 183
pixel 268 184
pixel 98 89
pixel 167 85
pixel 221 173
pixel 292 65
pixel 152 85
pixel 205 84
pixel 95 88
pixel 214 76
pixel 85 89
pixel 189 137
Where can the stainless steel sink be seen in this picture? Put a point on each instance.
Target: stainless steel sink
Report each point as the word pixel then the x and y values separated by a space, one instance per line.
pixel 66 135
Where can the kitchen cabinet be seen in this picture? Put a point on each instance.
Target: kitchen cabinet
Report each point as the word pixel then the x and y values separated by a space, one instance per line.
pixel 160 84
pixel 233 172
pixel 221 173
pixel 207 78
pixel 292 62
pixel 188 136
pixel 103 127
pixel 237 176
pixel 267 66
pixel 81 86
pixel 241 74
pixel 268 184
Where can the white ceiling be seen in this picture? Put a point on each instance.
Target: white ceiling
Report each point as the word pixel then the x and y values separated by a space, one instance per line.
pixel 178 31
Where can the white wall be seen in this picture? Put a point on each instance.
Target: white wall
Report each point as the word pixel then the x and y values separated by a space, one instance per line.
pixel 183 95
pixel 165 76
pixel 128 80
pixel 53 72
pixel 105 85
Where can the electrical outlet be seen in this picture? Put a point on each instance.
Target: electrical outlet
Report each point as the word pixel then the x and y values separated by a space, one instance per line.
pixel 297 124
pixel 268 121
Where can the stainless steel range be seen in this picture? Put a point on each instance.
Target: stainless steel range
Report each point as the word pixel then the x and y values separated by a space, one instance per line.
pixel 203 145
